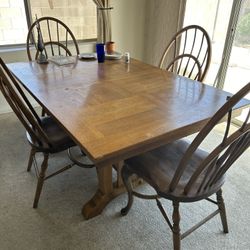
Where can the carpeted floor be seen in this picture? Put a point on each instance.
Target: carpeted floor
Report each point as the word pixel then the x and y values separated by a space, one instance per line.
pixel 58 223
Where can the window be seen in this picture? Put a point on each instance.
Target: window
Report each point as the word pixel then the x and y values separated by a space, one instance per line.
pixel 214 17
pixel 228 22
pixel 79 15
pixel 13 25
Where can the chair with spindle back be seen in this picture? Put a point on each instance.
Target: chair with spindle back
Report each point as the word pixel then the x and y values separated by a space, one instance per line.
pixel 190 42
pixel 43 134
pixel 56 37
pixel 192 70
pixel 183 172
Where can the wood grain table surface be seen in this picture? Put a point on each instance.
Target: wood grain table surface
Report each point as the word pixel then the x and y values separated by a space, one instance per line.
pixel 116 110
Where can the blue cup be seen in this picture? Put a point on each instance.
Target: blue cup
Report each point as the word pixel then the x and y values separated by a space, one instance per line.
pixel 100 52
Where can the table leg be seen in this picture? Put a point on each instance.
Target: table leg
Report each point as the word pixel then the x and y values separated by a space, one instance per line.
pixel 105 193
pixel 118 167
pixel 107 190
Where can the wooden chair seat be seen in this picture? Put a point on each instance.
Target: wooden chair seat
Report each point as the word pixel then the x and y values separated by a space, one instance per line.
pixel 43 133
pixel 59 140
pixel 183 172
pixel 158 167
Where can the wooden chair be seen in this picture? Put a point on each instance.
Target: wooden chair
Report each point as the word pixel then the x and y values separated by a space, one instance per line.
pixel 182 172
pixel 192 70
pixel 43 134
pixel 56 37
pixel 193 42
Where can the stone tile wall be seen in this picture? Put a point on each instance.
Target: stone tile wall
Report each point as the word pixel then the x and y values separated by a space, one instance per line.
pixel 78 15
pixel 13 25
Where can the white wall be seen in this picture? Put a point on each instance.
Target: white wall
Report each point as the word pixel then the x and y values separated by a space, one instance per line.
pixel 162 21
pixel 144 27
pixel 128 23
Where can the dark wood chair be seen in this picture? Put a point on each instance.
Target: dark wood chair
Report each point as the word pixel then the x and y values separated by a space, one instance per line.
pixel 193 42
pixel 56 37
pixel 183 172
pixel 43 134
pixel 192 70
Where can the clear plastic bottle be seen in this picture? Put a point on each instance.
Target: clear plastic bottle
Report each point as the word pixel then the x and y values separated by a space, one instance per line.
pixel 127 57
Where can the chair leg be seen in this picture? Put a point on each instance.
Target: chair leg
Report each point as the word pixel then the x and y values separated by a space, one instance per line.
pixel 41 180
pixel 32 153
pixel 127 183
pixel 43 112
pixel 176 226
pixel 222 209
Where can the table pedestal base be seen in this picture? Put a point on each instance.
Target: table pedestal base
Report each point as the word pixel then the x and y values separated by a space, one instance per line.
pixel 99 201
pixel 106 192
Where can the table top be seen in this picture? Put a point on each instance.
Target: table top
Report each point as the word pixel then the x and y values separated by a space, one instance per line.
pixel 116 110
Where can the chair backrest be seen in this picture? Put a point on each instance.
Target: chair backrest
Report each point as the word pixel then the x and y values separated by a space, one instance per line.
pixel 192 70
pixel 21 106
pixel 56 37
pixel 221 158
pixel 194 41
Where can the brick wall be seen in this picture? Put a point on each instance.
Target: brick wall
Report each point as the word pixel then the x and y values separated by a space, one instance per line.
pixel 78 15
pixel 13 25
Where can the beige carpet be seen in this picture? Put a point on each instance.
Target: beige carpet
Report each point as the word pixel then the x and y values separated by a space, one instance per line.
pixel 58 223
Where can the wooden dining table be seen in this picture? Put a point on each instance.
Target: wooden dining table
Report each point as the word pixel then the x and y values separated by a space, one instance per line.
pixel 116 110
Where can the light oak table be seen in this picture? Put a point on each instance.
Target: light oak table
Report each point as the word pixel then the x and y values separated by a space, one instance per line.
pixel 115 110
